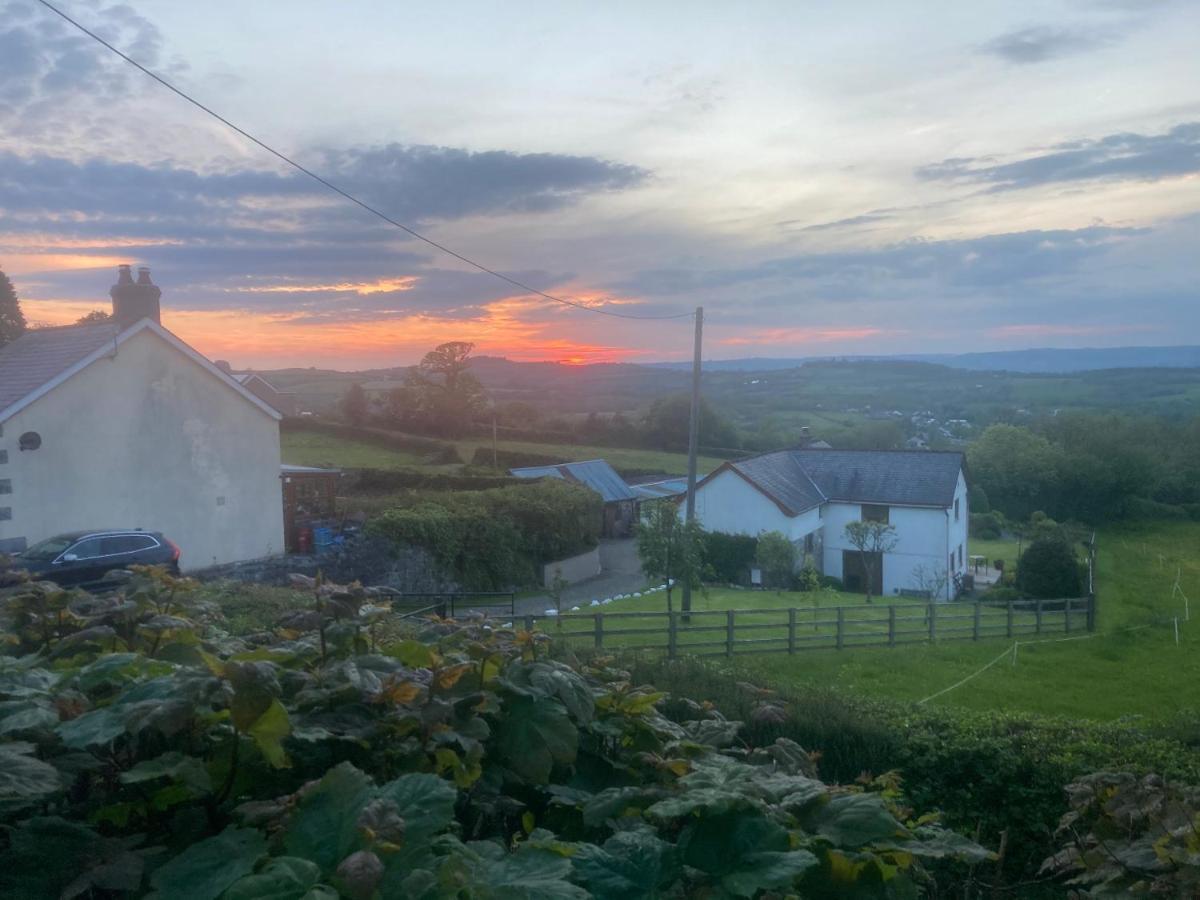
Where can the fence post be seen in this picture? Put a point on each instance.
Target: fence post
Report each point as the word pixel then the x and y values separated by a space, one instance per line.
pixel 932 611
pixel 529 623
pixel 891 626
pixel 452 606
pixel 729 632
pixel 792 629
pixel 975 633
pixel 672 634
pixel 1039 615
pixel 512 603
pixel 841 626
pixel 599 631
pixel 1091 612
pixel 1067 616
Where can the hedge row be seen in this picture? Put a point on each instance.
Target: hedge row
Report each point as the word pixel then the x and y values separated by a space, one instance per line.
pixel 497 539
pixel 988 772
pixel 388 481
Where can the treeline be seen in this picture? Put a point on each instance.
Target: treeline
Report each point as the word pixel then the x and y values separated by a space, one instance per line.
pixel 1089 467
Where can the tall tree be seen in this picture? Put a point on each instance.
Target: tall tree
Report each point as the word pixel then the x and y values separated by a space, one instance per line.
pixel 872 540
pixel 12 320
pixel 354 405
pixel 447 394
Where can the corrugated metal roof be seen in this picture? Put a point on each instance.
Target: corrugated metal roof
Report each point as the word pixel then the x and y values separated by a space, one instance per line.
pixel 288 469
pixel 660 490
pixel 595 473
pixel 42 354
pixel 802 479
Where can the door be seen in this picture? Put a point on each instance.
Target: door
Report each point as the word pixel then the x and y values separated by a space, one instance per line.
pixel 856 576
pixel 81 563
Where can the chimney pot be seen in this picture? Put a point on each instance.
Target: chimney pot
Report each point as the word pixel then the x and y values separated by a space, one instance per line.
pixel 134 302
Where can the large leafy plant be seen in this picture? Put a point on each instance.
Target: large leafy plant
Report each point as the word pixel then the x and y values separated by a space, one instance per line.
pixel 144 751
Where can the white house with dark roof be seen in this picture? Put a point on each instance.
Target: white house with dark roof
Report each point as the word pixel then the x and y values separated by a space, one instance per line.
pixel 811 494
pixel 122 424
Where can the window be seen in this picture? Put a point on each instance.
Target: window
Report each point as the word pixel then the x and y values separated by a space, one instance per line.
pixel 809 542
pixel 5 485
pixel 956 501
pixel 46 550
pixel 89 549
pixel 126 543
pixel 960 556
pixel 874 513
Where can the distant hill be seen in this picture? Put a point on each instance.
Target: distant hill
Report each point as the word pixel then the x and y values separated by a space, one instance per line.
pixel 1043 360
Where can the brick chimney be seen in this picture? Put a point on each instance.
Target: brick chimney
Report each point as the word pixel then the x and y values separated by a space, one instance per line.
pixel 134 301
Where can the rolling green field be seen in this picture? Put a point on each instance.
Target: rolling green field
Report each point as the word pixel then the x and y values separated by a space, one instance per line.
pixel 312 448
pixel 1131 667
pixel 309 448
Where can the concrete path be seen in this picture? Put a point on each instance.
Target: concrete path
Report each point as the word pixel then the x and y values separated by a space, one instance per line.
pixel 620 573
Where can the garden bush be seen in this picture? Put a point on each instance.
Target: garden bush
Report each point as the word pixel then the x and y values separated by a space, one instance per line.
pixel 144 750
pixel 988 773
pixel 497 539
pixel 1049 569
pixel 729 556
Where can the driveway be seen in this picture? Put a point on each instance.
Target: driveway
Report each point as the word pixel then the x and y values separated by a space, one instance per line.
pixel 620 573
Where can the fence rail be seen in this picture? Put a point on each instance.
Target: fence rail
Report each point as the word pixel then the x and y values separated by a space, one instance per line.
pixel 450 604
pixel 793 629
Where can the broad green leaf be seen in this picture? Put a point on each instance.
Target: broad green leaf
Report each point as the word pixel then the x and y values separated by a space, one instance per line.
pixel 324 827
pixel 413 654
pixel 254 690
pixel 45 855
pixel 486 870
pixel 534 736
pixel 766 871
pixel 268 732
pixel 282 878
pixel 205 870
pixel 26 715
pixel 186 769
pixel 719 844
pixel 92 729
pixel 939 843
pixel 631 865
pixel 425 802
pixel 24 779
pixel 854 820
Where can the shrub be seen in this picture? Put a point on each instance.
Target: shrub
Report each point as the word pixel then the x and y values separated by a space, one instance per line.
pixel 729 556
pixel 987 526
pixel 807 579
pixel 496 539
pixel 456 760
pixel 834 584
pixel 512 459
pixel 776 556
pixel 1049 569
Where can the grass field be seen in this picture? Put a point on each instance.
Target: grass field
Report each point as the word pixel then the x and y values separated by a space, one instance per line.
pixel 310 448
pixel 1117 673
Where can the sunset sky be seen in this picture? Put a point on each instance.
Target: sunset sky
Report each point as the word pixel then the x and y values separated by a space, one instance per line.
pixel 868 177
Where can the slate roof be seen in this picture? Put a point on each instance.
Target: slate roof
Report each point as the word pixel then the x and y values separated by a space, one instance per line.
pixel 594 473
pixel 42 354
pixel 799 480
pixel 660 490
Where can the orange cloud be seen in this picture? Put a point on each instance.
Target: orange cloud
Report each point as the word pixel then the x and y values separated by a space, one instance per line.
pixel 34 263
pixel 362 288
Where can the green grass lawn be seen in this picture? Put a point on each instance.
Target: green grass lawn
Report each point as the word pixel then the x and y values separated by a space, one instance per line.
pixel 1114 674
pixel 310 448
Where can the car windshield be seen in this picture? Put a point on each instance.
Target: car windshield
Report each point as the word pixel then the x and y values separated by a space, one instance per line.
pixel 47 549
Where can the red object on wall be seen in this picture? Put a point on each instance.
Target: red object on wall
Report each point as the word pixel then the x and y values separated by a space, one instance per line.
pixel 304 540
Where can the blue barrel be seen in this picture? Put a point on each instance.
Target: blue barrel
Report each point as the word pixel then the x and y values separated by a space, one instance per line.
pixel 322 537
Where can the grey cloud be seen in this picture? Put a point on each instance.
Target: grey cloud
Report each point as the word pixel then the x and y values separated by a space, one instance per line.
pixel 1125 156
pixel 1040 43
pixel 850 222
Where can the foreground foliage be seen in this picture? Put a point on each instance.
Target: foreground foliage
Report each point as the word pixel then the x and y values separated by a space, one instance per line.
pixel 144 751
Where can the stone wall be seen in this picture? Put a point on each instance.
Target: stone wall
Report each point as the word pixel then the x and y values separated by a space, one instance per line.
pixel 371 561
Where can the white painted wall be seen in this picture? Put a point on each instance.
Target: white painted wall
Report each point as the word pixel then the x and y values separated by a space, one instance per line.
pixel 148 439
pixel 730 504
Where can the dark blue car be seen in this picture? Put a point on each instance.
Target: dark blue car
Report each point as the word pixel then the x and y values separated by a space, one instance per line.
pixel 84 558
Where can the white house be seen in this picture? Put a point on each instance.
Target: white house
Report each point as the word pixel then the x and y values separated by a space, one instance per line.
pixel 810 495
pixel 123 425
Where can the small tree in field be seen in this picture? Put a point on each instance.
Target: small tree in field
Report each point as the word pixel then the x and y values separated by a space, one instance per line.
pixel 872 540
pixel 354 405
pixel 776 556
pixel 669 548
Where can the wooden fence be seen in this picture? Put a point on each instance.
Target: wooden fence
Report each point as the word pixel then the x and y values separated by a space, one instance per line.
pixel 792 629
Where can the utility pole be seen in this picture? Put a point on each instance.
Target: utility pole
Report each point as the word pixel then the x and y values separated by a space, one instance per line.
pixel 685 603
pixel 495 452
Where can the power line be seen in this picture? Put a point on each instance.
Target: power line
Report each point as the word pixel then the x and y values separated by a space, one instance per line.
pixel 337 190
